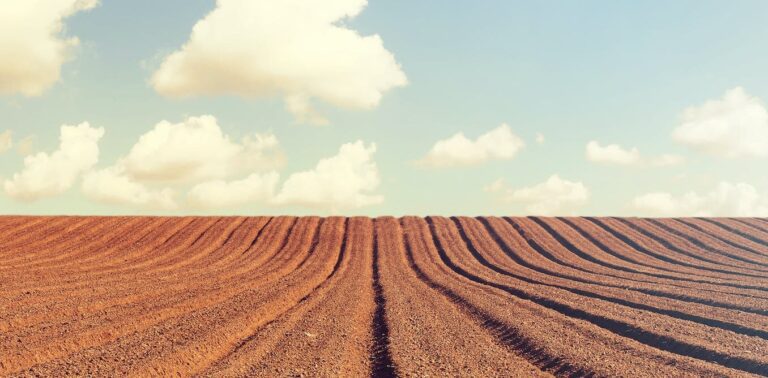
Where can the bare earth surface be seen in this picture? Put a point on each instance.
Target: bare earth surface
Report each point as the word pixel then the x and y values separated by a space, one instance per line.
pixel 430 297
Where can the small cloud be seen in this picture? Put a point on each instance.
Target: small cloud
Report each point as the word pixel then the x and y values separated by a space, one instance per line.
pixel 726 200
pixel 555 196
pixel 735 126
pixel 539 138
pixel 498 144
pixel 344 181
pixel 614 154
pixel 45 175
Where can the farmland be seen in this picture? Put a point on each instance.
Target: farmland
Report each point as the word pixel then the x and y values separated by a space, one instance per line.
pixel 435 296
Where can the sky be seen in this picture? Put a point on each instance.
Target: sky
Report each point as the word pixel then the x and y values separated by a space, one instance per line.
pixel 355 107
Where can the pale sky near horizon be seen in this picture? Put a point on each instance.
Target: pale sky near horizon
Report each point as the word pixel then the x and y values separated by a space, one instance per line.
pixel 391 107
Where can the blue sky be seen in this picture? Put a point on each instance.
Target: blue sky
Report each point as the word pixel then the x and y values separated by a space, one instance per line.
pixel 611 72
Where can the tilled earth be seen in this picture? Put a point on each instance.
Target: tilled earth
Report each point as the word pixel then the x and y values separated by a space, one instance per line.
pixel 435 296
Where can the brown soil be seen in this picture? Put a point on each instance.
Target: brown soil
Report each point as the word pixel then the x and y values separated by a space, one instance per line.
pixel 435 296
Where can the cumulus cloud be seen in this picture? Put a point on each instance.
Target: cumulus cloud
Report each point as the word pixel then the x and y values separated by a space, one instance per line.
pixel 6 140
pixel 32 43
pixel 540 138
pixel 343 181
pixel 197 149
pixel 726 199
pixel 555 196
pixel 735 126
pixel 614 154
pixel 50 174
pixel 498 144
pixel 112 185
pixel 297 49
pixel 256 188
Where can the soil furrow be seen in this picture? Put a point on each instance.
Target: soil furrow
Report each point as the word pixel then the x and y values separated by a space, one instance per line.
pixel 571 308
pixel 328 297
pixel 381 357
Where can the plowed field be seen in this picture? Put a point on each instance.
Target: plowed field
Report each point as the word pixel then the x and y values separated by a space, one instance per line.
pixel 435 296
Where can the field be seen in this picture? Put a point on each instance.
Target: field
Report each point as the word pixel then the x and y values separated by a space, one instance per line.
pixel 308 296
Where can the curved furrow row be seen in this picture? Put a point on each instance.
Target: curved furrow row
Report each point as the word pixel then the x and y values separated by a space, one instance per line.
pixel 646 261
pixel 119 293
pixel 717 242
pixel 76 250
pixel 114 256
pixel 694 248
pixel 420 320
pixel 758 223
pixel 735 230
pixel 489 253
pixel 309 296
pixel 150 243
pixel 175 290
pixel 567 344
pixel 636 268
pixel 745 232
pixel 176 313
pixel 328 332
pixel 644 241
pixel 31 230
pixel 37 243
pixel 551 254
pixel 747 353
pixel 242 359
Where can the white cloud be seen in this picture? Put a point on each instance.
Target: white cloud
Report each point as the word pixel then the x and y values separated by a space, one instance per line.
pixel 614 154
pixel 735 126
pixel 255 188
pixel 298 49
pixel 50 174
pixel 340 182
pixel 112 185
pixel 197 149
pixel 556 196
pixel 6 140
pixel 498 144
pixel 540 138
pixel 32 43
pixel 727 199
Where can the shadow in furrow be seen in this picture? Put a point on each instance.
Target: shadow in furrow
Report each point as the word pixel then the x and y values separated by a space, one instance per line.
pixel 506 335
pixel 592 239
pixel 381 357
pixel 258 235
pixel 231 233
pixel 732 230
pixel 315 241
pixel 760 224
pixel 573 249
pixel 620 328
pixel 638 306
pixel 565 243
pixel 664 258
pixel 697 242
pixel 669 245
